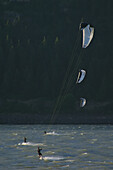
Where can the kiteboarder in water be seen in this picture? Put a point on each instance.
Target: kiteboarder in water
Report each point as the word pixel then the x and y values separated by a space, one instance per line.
pixel 39 153
pixel 45 132
pixel 25 139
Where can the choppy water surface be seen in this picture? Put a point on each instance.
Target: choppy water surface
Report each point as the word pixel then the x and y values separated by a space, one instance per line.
pixel 63 147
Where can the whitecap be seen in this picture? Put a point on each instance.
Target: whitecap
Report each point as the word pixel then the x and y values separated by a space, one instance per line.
pixel 51 133
pixel 31 144
pixel 52 158
pixel 65 166
pixel 50 152
pixel 70 160
pixel 94 140
pixel 85 153
pixel 15 134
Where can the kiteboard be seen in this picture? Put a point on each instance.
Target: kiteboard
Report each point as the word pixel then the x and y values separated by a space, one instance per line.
pixel 40 157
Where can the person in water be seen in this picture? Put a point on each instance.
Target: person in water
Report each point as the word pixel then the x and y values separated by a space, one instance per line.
pixel 25 140
pixel 45 132
pixel 39 153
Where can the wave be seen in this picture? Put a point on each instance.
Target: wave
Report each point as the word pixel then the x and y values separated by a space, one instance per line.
pixel 15 134
pixel 51 133
pixel 52 158
pixel 31 144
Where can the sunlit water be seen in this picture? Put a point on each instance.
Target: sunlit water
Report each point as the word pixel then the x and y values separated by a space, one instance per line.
pixel 63 147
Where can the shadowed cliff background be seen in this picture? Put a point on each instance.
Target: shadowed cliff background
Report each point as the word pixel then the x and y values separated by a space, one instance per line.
pixel 38 40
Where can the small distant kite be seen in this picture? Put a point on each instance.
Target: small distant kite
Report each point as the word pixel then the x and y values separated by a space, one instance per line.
pixel 81 76
pixel 82 102
pixel 88 33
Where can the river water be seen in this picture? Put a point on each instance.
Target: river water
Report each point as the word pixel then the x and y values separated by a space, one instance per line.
pixel 81 147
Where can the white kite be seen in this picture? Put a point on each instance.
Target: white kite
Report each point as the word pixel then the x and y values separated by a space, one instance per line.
pixel 88 33
pixel 81 76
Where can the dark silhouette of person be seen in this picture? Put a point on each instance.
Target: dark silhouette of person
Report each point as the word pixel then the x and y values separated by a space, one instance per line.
pixel 39 153
pixel 45 132
pixel 25 139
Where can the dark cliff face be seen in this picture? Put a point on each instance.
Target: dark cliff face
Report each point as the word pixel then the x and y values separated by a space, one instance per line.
pixel 40 55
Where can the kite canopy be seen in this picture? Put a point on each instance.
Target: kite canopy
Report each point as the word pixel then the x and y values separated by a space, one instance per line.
pixel 82 102
pixel 88 33
pixel 81 76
